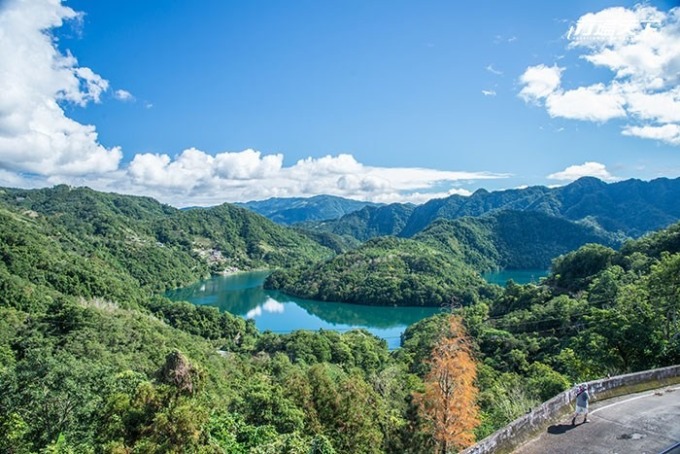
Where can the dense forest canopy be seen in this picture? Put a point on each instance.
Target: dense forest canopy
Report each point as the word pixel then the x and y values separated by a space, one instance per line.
pixel 367 223
pixel 512 239
pixel 384 272
pixel 94 359
pixel 440 265
pixel 160 246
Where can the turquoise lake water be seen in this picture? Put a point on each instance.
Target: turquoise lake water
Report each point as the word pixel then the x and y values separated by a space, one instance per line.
pixel 242 294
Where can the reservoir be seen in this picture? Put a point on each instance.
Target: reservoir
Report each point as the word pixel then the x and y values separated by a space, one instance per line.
pixel 242 294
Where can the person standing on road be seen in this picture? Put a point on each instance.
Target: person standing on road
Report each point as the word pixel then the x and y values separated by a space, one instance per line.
pixel 582 398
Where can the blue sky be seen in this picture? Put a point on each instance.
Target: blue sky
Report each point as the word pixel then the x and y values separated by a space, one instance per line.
pixel 198 103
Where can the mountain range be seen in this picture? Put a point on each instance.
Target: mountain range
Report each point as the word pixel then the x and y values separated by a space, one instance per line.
pixel 299 209
pixel 630 208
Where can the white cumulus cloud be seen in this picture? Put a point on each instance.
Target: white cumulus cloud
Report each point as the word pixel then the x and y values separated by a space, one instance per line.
pixel 662 107
pixel 539 82
pixel 640 47
pixel 587 169
pixel 190 169
pixel 36 136
pixel 640 43
pixel 603 103
pixel 669 133
pixel 197 177
pixel 247 165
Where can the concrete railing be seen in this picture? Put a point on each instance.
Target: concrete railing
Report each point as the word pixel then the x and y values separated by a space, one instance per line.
pixel 525 428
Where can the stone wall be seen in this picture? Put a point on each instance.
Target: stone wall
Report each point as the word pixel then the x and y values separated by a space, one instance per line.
pixel 523 429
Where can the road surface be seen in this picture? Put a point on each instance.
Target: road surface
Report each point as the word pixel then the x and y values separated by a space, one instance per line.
pixel 647 423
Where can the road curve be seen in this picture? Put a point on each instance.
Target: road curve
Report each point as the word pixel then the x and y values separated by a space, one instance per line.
pixel 647 423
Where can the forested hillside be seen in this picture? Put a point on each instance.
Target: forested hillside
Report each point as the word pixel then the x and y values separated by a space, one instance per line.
pixel 94 359
pixel 440 265
pixel 384 272
pixel 293 210
pixel 589 209
pixel 599 313
pixel 159 246
pixel 511 239
pixel 367 223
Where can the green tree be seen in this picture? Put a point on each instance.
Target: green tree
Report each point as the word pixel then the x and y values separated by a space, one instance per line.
pixel 664 291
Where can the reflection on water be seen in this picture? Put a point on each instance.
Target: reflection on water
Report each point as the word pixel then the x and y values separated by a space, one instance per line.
pixel 271 305
pixel 242 294
pixel 238 293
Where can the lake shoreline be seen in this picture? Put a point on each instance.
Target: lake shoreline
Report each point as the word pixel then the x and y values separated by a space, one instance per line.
pixel 241 293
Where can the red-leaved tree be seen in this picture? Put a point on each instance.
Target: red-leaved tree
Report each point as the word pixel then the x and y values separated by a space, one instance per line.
pixel 449 403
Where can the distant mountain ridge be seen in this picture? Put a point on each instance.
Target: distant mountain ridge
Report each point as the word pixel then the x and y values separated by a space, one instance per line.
pixel 368 222
pixel 300 209
pixel 630 208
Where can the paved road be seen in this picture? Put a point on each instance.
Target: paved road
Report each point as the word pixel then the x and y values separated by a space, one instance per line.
pixel 646 423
